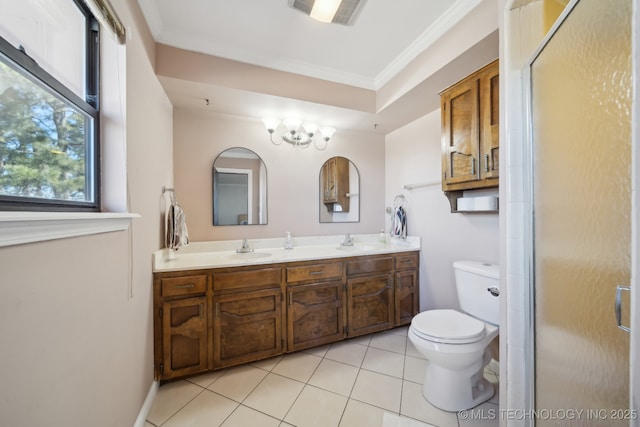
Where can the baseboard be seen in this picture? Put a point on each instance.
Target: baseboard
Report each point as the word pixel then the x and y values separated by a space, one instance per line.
pixel 148 403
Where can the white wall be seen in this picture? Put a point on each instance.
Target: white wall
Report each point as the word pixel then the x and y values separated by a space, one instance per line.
pixel 413 155
pixel 293 177
pixel 75 314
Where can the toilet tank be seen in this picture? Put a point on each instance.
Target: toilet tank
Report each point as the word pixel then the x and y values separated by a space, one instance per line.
pixel 477 282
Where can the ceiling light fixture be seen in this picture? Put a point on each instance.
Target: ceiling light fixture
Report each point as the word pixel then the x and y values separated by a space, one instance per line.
pixel 330 11
pixel 324 10
pixel 298 134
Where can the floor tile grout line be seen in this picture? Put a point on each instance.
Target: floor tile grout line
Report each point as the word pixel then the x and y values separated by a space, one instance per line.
pixel 303 387
pixel 252 409
pixel 305 383
pixel 185 405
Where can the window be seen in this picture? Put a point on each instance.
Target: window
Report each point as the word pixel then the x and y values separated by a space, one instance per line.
pixel 49 106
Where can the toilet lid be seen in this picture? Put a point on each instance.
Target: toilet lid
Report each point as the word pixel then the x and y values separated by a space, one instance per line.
pixel 448 326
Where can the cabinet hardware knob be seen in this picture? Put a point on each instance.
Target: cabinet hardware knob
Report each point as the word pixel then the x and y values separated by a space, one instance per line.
pixel 314 273
pixel 217 309
pixel 473 166
pixel 486 163
pixel 187 286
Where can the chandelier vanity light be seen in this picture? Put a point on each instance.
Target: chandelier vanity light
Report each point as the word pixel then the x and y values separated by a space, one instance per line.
pixel 299 134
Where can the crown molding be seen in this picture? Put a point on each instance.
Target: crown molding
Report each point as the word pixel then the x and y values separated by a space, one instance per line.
pixel 441 26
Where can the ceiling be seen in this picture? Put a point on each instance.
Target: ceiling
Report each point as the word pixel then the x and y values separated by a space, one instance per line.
pixel 384 38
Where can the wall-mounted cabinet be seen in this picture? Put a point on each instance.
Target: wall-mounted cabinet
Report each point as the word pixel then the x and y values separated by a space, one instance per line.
pixel 335 183
pixel 470 133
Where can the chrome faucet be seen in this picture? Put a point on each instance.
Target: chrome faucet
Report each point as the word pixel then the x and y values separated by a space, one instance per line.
pixel 245 247
pixel 348 240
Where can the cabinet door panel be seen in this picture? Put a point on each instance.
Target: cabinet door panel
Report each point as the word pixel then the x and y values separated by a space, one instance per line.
pixel 247 326
pixel 460 133
pixel 315 272
pixel 263 277
pixel 407 304
pixel 184 336
pixel 185 285
pixel 490 123
pixel 315 314
pixel 406 261
pixel 330 193
pixel 370 304
pixel 369 265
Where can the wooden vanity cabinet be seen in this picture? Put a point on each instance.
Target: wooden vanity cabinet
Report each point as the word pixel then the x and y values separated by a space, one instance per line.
pixel 315 304
pixel 370 295
pixel 181 315
pixel 247 315
pixel 407 303
pixel 470 133
pixel 210 319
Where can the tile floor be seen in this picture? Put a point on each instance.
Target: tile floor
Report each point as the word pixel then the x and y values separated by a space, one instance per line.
pixel 368 381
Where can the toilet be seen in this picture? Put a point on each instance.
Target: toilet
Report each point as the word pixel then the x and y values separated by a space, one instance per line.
pixel 455 343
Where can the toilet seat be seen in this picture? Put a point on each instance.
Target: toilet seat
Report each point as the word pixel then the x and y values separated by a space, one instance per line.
pixel 448 327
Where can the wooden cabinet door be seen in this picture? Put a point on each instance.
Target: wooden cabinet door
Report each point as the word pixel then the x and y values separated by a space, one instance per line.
pixel 330 193
pixel 335 183
pixel 460 132
pixel 184 337
pixel 406 296
pixel 315 314
pixel 370 304
pixel 490 122
pixel 247 326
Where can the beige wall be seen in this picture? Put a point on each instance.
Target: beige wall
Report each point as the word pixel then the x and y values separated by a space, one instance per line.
pixel 292 177
pixel 75 327
pixel 413 156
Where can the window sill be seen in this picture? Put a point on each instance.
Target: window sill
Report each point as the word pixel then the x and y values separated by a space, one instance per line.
pixel 17 228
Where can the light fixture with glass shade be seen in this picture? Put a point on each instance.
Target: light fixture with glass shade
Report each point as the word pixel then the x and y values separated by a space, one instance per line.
pixel 298 134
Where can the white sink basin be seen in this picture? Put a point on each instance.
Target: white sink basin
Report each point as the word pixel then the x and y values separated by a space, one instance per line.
pixel 356 248
pixel 249 256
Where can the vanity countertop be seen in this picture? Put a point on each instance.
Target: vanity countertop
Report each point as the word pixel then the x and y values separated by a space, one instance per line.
pixel 215 254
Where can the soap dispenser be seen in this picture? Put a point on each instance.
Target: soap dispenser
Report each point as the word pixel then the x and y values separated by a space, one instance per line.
pixel 288 243
pixel 382 237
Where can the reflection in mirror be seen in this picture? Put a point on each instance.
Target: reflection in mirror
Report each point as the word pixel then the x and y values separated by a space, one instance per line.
pixel 339 191
pixel 239 188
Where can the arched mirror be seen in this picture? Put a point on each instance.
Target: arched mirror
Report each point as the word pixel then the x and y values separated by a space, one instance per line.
pixel 339 191
pixel 239 188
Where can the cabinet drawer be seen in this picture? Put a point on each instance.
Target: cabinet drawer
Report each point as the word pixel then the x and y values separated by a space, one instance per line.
pixel 263 277
pixel 314 272
pixel 369 265
pixel 184 285
pixel 406 261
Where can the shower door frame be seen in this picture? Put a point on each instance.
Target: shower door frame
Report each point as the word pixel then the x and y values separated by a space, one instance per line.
pixel 528 181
